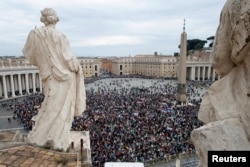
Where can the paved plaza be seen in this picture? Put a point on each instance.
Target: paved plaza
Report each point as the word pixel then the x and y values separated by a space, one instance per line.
pixel 6 116
pixel 151 84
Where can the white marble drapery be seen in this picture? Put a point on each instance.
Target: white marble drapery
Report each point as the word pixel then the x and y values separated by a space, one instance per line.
pixel 62 79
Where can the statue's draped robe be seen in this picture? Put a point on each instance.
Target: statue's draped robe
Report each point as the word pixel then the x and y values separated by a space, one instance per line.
pixel 63 85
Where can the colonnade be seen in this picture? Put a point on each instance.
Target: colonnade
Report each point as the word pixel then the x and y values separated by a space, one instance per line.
pixel 19 83
pixel 23 81
pixel 201 73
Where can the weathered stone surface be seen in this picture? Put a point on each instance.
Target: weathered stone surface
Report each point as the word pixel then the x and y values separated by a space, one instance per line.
pixel 7 136
pixel 41 158
pixel 220 135
pixel 76 136
pixel 231 36
pixel 225 106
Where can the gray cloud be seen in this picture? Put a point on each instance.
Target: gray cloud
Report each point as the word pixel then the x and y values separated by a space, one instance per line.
pixel 111 27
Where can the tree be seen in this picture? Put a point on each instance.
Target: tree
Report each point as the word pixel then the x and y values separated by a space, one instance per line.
pixel 211 39
pixel 195 44
pixel 176 54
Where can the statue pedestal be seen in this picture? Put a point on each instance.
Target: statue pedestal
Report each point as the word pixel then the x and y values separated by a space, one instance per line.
pixel 81 144
pixel 83 150
pixel 225 135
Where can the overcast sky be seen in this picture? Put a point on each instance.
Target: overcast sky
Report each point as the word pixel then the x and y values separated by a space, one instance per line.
pixel 111 27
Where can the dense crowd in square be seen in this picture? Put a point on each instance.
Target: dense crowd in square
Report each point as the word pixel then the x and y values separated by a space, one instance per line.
pixel 129 122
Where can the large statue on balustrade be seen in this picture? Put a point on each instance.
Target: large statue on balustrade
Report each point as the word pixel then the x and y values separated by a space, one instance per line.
pixel 62 80
pixel 225 106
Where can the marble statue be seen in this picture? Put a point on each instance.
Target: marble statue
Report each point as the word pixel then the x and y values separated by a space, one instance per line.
pixel 62 80
pixel 225 106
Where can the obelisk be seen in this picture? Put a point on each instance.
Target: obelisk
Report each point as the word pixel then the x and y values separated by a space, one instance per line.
pixel 181 95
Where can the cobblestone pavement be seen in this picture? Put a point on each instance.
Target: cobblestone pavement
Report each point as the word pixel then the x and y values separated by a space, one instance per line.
pixel 7 140
pixel 5 114
pixel 7 136
pixel 18 154
pixel 28 156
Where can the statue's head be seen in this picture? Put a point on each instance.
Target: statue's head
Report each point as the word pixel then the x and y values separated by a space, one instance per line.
pixel 49 16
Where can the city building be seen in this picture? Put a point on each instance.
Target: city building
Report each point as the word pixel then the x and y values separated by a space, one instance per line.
pixel 91 66
pixel 123 66
pixel 18 77
pixel 147 65
pixel 198 66
pixel 106 65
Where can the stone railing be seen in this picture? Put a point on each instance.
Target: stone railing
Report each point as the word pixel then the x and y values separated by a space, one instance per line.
pixel 14 63
pixel 186 159
pixel 196 59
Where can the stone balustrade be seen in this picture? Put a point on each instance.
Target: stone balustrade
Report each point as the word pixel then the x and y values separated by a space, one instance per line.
pixel 18 78
pixel 14 63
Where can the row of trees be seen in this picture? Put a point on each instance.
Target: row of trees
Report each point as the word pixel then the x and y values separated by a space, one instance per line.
pixel 197 44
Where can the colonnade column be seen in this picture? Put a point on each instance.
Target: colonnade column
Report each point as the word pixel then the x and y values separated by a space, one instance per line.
pixel 12 86
pixel 34 82
pixel 203 73
pixel 193 73
pixel 40 84
pixel 198 74
pixel 209 73
pixel 27 82
pixel 19 84
pixel 4 87
pixel 213 78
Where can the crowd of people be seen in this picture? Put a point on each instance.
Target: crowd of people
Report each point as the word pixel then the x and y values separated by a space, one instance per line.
pixel 26 108
pixel 139 123
pixel 130 123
